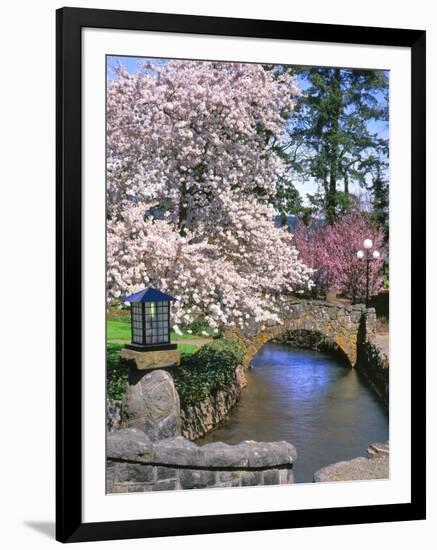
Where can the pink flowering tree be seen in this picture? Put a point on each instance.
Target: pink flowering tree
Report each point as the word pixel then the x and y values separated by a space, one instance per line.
pixel 331 251
pixel 182 135
pixel 190 165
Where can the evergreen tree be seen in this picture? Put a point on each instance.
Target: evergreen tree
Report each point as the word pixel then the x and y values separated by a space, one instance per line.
pixel 380 212
pixel 330 135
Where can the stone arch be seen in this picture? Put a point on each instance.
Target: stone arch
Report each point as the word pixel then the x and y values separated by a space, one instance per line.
pixel 342 324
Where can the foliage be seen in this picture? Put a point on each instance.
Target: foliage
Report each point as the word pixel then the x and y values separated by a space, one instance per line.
pixel 191 166
pixel 197 328
pixel 187 349
pixel 207 370
pixel 331 139
pixel 380 212
pixel 116 376
pixel 331 251
pixel 119 313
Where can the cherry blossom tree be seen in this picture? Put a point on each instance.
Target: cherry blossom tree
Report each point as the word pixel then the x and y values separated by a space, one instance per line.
pixel 238 279
pixel 331 251
pixel 190 168
pixel 182 134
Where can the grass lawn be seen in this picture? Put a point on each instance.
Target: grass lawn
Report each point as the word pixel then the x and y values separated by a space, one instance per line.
pixel 119 328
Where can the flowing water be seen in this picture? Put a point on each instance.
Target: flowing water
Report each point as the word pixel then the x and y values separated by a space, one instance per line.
pixel 311 400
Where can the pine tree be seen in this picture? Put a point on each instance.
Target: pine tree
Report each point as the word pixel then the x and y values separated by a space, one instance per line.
pixel 331 139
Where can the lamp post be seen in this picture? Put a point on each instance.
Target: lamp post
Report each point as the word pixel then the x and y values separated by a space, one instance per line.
pixel 150 317
pixel 150 347
pixel 368 256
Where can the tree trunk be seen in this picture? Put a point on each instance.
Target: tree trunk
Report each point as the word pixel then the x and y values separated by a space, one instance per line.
pixel 182 218
pixel 331 199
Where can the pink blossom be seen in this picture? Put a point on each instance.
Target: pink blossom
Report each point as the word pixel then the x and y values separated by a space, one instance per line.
pixel 331 250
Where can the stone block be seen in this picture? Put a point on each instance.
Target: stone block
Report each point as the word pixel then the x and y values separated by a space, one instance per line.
pixel 196 479
pixel 139 473
pixel 265 455
pixel 151 404
pixel 251 478
pixel 113 415
pixel 222 455
pixel 110 476
pixel 163 473
pixel 129 444
pixel 166 485
pixel 231 478
pixel 271 477
pixel 179 452
pixel 356 315
pixel 283 476
pixel 145 360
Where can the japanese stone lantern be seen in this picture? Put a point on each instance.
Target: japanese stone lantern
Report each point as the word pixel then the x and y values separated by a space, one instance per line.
pixel 150 346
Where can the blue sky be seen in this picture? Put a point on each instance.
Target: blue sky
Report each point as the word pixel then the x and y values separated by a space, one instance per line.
pixel 131 64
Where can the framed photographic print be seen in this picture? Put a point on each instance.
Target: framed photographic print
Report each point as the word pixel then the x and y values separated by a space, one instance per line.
pixel 240 248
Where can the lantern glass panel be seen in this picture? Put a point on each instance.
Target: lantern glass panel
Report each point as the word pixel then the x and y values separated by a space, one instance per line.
pixel 157 322
pixel 137 323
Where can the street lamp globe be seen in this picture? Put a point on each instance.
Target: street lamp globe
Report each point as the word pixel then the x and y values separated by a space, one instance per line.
pixel 360 254
pixel 375 254
pixel 368 244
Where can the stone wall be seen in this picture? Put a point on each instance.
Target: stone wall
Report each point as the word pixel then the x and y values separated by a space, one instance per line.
pixel 373 366
pixel 113 415
pixel 204 417
pixel 136 464
pixel 151 455
pixel 152 405
pixel 343 325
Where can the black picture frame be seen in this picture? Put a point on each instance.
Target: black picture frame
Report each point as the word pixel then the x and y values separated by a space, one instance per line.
pixel 69 525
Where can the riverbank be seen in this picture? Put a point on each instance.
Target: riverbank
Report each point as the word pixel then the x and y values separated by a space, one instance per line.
pixel 201 418
pixel 373 466
pixel 373 366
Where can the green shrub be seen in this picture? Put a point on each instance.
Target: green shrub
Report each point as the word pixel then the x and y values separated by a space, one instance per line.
pixel 207 370
pixel 116 375
pixel 187 349
pixel 200 374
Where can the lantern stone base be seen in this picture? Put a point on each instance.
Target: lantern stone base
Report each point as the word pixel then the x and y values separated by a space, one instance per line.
pixel 151 359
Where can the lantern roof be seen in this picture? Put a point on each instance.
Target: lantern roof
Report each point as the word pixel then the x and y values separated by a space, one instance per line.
pixel 148 295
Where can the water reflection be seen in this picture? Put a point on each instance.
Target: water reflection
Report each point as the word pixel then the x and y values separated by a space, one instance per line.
pixel 310 399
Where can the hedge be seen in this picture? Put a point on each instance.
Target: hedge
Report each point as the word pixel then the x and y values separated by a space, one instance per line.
pixel 116 376
pixel 207 370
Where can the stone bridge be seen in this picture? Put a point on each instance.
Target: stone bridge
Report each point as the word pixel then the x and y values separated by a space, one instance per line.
pixel 344 326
